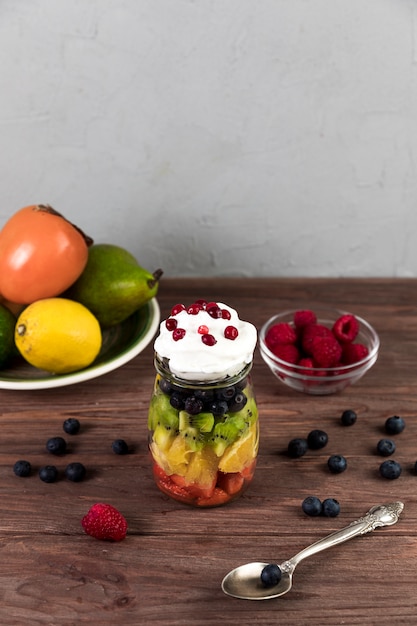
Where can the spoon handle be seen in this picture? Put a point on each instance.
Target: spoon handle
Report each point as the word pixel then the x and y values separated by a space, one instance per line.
pixel 382 515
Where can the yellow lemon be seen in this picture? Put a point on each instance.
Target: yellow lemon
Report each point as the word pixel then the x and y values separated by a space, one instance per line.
pixel 58 335
pixel 241 453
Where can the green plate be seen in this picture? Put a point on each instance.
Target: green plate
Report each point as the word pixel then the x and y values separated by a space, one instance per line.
pixel 120 344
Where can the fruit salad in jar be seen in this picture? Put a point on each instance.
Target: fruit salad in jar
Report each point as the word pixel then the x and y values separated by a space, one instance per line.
pixel 203 417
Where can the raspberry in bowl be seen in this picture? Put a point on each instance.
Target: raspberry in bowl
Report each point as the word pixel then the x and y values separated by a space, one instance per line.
pixel 320 351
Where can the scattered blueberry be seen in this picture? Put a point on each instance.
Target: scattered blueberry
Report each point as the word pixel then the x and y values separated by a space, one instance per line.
pixel 337 463
pixel 385 447
pixel 390 469
pixel 71 426
pixel 271 575
pixel 75 472
pixel 330 507
pixel 394 425
pixel 317 439
pixel 22 468
pixel 297 447
pixel 119 446
pixel 56 445
pixel 48 474
pixel 348 417
pixel 311 506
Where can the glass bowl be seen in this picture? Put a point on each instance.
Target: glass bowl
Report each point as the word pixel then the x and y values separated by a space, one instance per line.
pixel 320 380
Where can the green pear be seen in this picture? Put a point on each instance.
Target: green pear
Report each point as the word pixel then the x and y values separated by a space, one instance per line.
pixel 113 285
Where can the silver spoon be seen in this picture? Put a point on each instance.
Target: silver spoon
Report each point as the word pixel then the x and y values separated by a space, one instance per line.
pixel 245 581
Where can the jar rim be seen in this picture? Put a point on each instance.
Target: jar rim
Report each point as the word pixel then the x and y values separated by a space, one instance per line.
pixel 162 367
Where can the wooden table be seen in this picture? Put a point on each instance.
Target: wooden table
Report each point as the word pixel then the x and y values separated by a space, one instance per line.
pixel 169 568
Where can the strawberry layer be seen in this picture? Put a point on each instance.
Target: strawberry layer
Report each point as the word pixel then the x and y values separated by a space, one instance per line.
pixel 225 487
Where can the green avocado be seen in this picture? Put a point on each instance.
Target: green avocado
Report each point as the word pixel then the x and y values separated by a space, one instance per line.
pixel 113 285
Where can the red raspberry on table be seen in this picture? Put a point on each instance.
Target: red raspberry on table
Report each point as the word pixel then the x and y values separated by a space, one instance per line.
pixel 103 521
pixel 346 328
pixel 310 333
pixel 326 351
pixel 354 352
pixel 286 352
pixel 303 318
pixel 281 333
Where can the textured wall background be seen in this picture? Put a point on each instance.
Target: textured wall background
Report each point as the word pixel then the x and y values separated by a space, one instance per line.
pixel 218 137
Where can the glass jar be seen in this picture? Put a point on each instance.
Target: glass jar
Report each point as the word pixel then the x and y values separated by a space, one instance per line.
pixel 203 438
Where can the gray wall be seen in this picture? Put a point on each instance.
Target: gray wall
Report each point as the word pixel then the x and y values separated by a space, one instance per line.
pixel 218 137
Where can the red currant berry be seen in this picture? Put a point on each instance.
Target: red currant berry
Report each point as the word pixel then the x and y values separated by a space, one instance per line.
pixel 214 311
pixel 203 329
pixel 202 303
pixel 231 332
pixel 210 304
pixel 226 315
pixel 208 339
pixel 177 308
pixel 194 309
pixel 179 333
pixel 171 324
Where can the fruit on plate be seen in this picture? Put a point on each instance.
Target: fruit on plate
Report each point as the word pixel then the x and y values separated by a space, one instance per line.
pixel 7 344
pixel 113 285
pixel 58 335
pixel 41 254
pixel 13 307
pixel 203 458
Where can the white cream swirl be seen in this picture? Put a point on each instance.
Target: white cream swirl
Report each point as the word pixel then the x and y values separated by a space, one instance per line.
pixel 191 359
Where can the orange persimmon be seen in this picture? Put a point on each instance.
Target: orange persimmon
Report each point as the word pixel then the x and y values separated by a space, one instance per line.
pixel 41 254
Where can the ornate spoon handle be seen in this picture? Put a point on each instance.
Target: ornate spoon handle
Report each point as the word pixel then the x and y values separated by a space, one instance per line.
pixel 382 515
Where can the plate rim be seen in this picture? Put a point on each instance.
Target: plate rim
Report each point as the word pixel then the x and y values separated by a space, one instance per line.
pixel 95 371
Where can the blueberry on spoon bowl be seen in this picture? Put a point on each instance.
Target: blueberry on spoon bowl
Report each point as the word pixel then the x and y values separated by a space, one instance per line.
pixel 271 575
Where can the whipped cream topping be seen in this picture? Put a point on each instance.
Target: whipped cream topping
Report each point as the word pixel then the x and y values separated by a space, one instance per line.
pixel 217 356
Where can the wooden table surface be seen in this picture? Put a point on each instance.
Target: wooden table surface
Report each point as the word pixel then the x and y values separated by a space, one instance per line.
pixel 169 568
